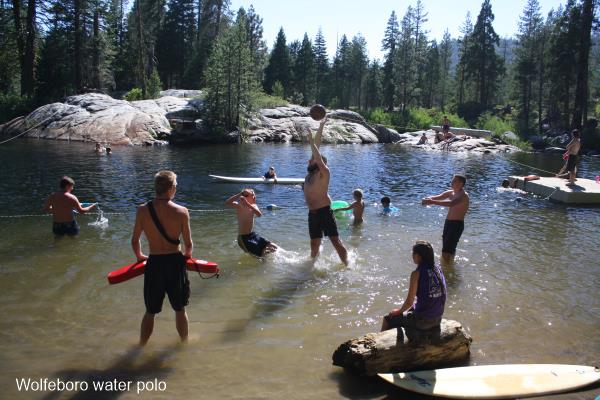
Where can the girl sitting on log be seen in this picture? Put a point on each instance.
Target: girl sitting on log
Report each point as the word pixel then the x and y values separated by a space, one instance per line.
pixel 428 285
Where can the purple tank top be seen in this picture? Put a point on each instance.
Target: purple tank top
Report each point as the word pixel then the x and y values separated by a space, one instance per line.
pixel 431 293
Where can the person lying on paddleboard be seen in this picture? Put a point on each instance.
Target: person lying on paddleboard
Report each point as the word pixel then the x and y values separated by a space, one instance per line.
pixel 357 207
pixel 428 286
pixel 248 240
pixel 270 174
pixel 163 222
pixel 61 204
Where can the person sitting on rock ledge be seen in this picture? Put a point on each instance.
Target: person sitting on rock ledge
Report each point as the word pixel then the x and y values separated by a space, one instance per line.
pixel 428 285
pixel 423 139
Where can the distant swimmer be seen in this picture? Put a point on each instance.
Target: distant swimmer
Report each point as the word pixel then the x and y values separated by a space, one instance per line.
pixel 357 207
pixel 271 174
pixel 457 201
pixel 386 203
pixel 163 222
pixel 62 204
pixel 248 240
pixel 316 186
pixel 571 156
pixel 99 148
pixel 424 304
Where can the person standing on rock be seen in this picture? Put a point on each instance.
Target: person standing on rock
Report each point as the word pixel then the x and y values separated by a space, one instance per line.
pixel 316 186
pixel 163 222
pixel 62 204
pixel 457 201
pixel 571 156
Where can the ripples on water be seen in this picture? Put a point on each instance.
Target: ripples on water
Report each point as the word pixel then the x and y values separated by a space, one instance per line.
pixel 524 284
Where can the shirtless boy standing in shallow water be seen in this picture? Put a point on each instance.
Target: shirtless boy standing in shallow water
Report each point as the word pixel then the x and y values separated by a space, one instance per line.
pixel 61 205
pixel 245 205
pixel 320 215
pixel 166 266
pixel 457 201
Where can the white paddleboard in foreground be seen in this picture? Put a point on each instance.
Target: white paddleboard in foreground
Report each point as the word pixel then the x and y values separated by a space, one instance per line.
pixel 496 381
pixel 280 181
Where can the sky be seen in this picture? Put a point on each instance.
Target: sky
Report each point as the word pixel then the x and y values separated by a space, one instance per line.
pixel 369 17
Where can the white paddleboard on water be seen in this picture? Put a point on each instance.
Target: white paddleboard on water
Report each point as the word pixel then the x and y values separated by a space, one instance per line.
pixel 496 381
pixel 280 181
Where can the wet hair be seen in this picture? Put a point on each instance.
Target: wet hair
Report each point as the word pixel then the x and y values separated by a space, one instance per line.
pixel 272 168
pixel 575 132
pixel 163 181
pixel 461 178
pixel 385 199
pixel 66 181
pixel 505 183
pixel 247 191
pixel 358 193
pixel 424 249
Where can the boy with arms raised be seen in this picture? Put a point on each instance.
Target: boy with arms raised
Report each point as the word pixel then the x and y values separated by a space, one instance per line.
pixel 246 208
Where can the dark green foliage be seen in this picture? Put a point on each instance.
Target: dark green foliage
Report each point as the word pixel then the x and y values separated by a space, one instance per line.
pixel 278 68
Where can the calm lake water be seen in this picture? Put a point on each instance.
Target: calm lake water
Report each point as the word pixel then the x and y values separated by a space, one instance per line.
pixel 525 283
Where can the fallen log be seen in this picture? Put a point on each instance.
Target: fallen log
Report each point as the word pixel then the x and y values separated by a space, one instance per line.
pixel 388 351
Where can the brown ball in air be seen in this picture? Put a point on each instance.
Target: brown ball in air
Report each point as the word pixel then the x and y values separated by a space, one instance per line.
pixel 317 112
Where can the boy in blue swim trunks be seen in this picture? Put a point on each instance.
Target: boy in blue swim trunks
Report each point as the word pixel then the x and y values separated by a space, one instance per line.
pixel 249 241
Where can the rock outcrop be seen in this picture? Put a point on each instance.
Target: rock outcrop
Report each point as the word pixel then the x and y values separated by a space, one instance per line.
pixel 292 123
pixel 459 143
pixel 100 118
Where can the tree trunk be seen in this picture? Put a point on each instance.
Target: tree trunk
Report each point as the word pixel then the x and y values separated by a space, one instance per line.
pixel 29 64
pixel 581 91
pixel 382 352
pixel 78 56
pixel 20 40
pixel 141 63
pixel 96 51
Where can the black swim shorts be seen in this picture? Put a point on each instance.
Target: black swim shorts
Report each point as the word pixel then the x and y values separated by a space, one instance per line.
pixel 322 221
pixel 253 243
pixel 65 228
pixel 411 320
pixel 571 163
pixel 166 273
pixel 453 229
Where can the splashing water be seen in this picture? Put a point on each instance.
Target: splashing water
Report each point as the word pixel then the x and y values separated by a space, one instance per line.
pixel 101 221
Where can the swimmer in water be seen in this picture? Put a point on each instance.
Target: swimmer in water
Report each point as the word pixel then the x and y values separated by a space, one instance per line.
pixel 248 240
pixel 357 207
pixel 61 204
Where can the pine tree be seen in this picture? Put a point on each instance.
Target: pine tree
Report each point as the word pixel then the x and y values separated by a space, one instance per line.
pixel 526 67
pixel 466 29
pixel 321 67
pixel 405 68
pixel 341 88
pixel 304 72
pixel 278 68
pixel 483 64
pixel 373 86
pixel 445 61
pixel 230 79
pixel 431 76
pixel 258 48
pixel 359 62
pixel 176 41
pixel 585 41
pixel 389 43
